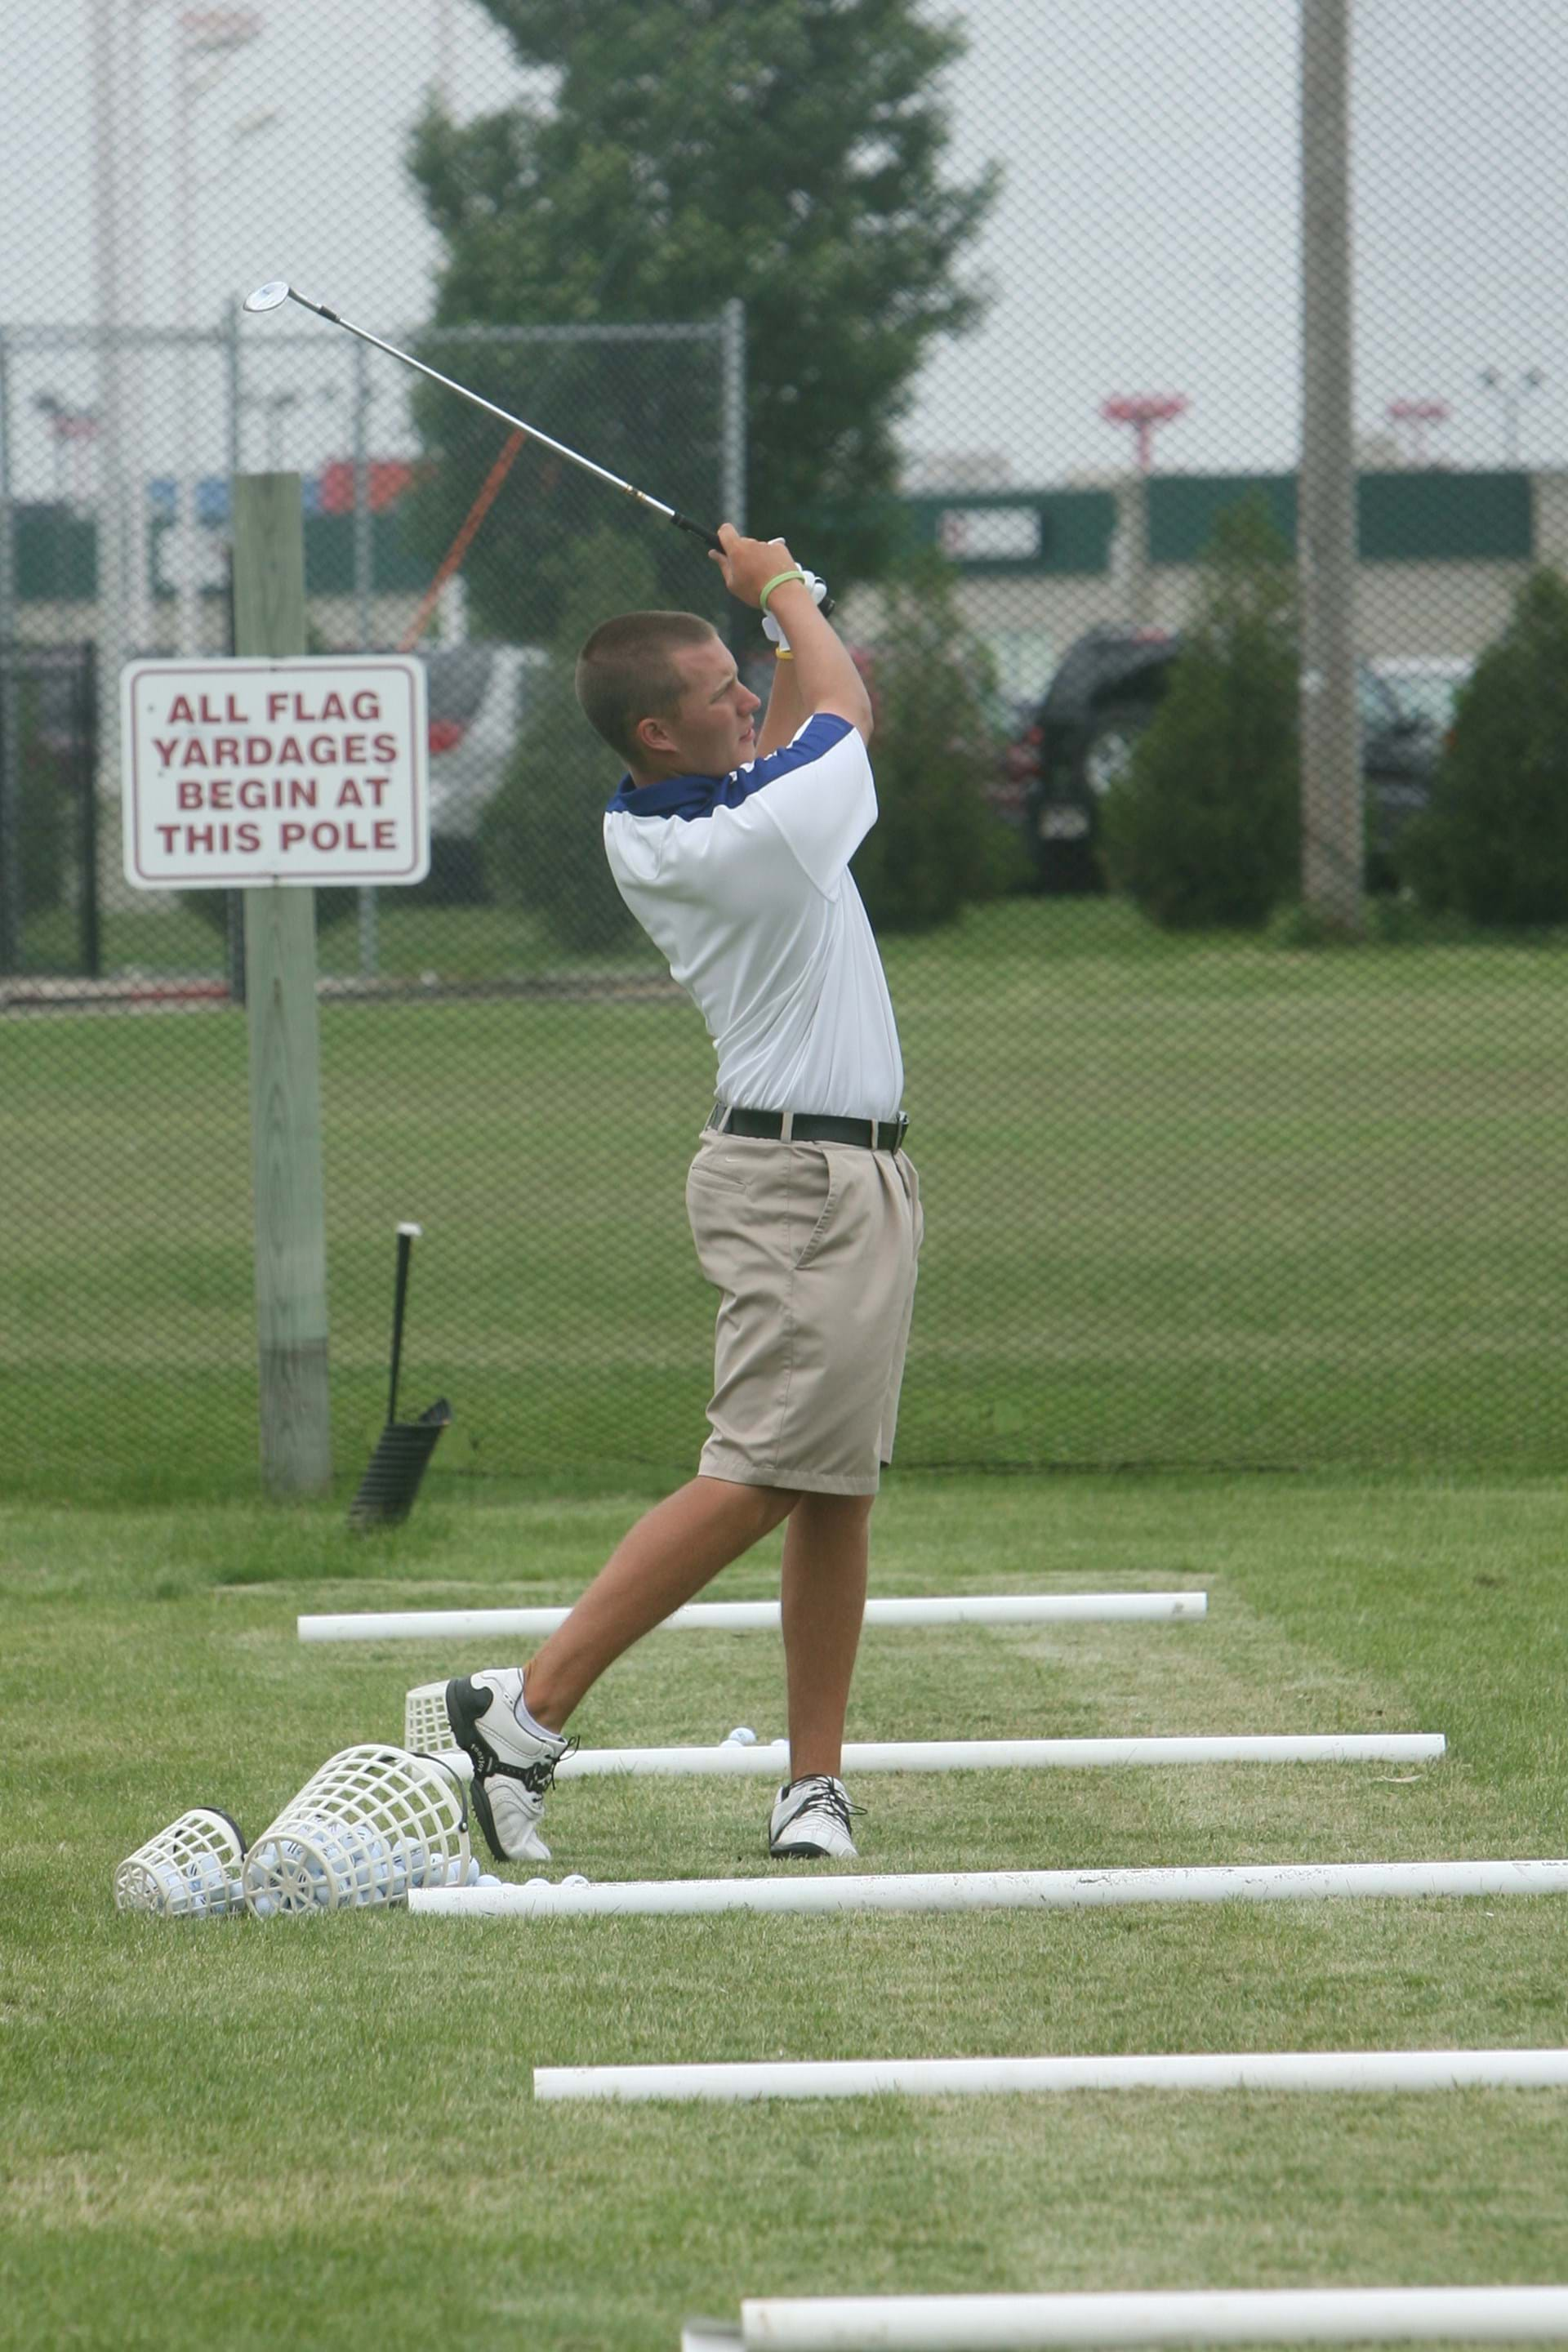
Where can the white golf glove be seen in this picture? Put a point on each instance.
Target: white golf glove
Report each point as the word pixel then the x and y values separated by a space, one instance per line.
pixel 771 629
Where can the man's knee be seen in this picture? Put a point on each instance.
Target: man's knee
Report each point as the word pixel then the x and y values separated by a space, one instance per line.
pixel 843 1509
pixel 766 1507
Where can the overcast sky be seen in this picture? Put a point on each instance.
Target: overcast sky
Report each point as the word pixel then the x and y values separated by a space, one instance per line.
pixel 1146 238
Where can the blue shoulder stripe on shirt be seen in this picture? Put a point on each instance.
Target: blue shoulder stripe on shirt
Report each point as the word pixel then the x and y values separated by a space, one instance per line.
pixel 695 796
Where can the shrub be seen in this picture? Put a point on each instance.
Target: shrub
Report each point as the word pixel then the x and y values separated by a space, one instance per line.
pixel 1494 842
pixel 42 812
pixel 1201 828
pixel 936 844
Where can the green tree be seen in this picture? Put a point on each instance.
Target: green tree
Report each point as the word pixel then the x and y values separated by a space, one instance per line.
pixel 936 844
pixel 791 154
pixel 1494 843
pixel 1203 828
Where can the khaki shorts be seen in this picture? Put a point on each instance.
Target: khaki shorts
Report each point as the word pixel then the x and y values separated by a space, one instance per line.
pixel 812 1248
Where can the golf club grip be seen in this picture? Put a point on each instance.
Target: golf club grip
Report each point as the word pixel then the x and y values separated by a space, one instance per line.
pixel 699 530
pixel 405 1251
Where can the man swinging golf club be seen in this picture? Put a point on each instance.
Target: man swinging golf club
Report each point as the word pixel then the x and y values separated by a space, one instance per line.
pixel 733 850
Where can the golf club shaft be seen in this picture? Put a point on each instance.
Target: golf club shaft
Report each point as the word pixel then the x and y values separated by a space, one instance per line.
pixel 572 457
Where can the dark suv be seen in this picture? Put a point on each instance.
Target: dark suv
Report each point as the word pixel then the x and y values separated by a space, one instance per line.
pixel 1107 688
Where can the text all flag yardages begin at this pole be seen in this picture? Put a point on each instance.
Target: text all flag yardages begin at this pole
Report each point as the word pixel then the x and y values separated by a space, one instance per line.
pixel 244 773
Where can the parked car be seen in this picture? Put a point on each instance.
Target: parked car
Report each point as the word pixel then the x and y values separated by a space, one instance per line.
pixel 479 695
pixel 1106 690
pixel 1426 686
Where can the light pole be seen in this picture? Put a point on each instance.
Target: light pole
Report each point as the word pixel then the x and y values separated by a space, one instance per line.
pixel 69 428
pixel 1511 395
pixel 1417 414
pixel 1144 411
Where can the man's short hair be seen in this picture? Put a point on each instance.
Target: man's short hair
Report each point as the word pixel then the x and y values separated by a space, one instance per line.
pixel 626 672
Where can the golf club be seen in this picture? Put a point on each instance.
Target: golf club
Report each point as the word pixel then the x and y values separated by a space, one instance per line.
pixel 277 291
pixel 386 1492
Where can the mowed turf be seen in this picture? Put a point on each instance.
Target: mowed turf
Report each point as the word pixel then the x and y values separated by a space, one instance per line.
pixel 1189 1201
pixel 321 2133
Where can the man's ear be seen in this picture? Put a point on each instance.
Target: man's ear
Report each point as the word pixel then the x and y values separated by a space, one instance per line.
pixel 653 735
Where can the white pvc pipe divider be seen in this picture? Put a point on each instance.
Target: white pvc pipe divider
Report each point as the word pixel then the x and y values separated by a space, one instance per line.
pixel 750 1616
pixel 1023 2322
pixel 870 2078
pixel 770 1760
pixel 767 1761
pixel 992 1890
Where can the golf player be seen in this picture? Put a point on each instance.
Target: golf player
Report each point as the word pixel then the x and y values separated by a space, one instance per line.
pixel 733 849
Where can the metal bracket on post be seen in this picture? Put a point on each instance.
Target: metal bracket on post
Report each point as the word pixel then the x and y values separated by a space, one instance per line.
pixel 285 1051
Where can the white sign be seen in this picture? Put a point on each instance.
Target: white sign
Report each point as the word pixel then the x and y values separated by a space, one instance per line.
pixel 242 773
pixel 990 534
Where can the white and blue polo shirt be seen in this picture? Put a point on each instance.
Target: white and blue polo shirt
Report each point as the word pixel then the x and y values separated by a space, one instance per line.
pixel 742 882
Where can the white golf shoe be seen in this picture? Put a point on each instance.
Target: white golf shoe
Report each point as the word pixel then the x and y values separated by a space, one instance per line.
pixel 811 1820
pixel 514 1759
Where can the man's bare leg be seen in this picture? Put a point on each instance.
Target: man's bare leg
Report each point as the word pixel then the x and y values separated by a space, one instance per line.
pixel 826 1548
pixel 673 1552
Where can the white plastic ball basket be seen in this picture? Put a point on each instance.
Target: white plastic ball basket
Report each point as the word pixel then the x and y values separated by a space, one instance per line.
pixel 370 1825
pixel 425 1725
pixel 191 1870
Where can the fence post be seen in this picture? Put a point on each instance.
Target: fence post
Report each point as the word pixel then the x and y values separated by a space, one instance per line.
pixel 364 591
pixel 10 694
pixel 1333 850
pixel 732 489
pixel 285 1057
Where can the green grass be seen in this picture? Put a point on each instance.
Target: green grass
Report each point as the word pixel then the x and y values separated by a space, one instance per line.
pixel 1189 1201
pixel 321 2133
pixel 414 938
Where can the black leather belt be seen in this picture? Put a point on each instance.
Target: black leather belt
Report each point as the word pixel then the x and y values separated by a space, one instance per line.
pixel 810 1127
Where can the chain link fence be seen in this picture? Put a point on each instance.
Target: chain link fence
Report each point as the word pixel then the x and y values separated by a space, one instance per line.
pixel 1168 393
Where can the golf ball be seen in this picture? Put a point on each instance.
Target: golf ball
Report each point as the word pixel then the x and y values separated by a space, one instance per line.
pixel 742 1736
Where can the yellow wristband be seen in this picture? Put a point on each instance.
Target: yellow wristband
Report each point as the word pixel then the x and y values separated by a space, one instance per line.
pixel 783 653
pixel 777 582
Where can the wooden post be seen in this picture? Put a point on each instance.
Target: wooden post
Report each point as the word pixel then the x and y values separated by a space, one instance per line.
pixel 285 1051
pixel 1333 849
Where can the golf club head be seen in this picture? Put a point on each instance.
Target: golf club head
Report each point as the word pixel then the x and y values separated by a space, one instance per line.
pixel 269 296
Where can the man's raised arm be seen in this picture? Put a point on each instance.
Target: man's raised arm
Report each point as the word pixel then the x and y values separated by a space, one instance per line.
pixel 825 674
